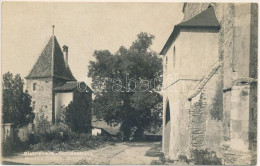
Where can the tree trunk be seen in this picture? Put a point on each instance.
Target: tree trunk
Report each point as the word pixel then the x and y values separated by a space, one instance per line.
pixel 139 134
pixel 126 131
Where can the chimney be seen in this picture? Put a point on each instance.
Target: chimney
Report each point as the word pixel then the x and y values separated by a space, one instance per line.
pixel 65 54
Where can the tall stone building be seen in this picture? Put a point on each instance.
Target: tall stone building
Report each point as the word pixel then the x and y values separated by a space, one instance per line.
pixel 210 82
pixel 52 84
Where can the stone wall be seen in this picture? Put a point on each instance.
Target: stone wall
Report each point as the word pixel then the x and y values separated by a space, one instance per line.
pixel 206 114
pixel 237 50
pixel 42 96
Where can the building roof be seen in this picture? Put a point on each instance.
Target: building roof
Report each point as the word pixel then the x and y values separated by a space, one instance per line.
pixel 205 20
pixel 51 63
pixel 71 85
pixel 100 124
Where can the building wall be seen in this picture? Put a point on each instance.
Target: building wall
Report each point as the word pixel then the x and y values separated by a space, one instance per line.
pixel 206 114
pixel 42 96
pixel 192 58
pixel 61 100
pixel 184 68
pixel 230 93
pixel 96 131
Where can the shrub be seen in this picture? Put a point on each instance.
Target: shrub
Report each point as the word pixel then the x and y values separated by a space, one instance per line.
pixel 7 148
pixel 25 133
pixel 183 158
pixel 42 125
pixel 74 141
pixel 205 157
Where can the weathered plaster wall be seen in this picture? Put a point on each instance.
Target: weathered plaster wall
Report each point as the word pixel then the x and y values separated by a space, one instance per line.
pixel 42 96
pixel 62 99
pixel 176 137
pixel 192 58
pixel 183 69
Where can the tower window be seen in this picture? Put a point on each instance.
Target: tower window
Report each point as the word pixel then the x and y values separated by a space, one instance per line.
pixel 34 86
pixel 33 105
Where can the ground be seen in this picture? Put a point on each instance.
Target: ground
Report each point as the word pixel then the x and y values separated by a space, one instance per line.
pixel 120 153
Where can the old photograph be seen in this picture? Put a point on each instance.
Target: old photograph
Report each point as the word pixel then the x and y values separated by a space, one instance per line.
pixel 129 83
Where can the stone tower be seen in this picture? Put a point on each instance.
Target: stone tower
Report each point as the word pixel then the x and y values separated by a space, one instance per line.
pixel 49 72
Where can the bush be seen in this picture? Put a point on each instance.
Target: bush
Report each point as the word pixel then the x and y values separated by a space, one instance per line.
pixel 74 142
pixel 42 125
pixel 59 137
pixel 183 158
pixel 15 145
pixel 205 157
pixel 7 148
pixel 25 133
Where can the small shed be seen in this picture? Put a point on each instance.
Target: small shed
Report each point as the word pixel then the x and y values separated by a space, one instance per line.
pixel 100 127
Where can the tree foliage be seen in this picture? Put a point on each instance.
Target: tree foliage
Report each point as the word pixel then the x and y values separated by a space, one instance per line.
pixel 135 105
pixel 16 103
pixel 77 114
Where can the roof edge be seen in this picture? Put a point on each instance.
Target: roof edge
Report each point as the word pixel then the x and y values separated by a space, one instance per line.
pixel 63 78
pixel 178 27
pixel 176 32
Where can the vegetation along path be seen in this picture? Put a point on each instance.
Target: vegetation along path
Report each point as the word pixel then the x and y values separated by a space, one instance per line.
pixel 120 153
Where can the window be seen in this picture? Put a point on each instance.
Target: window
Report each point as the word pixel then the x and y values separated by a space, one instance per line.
pixel 34 86
pixel 174 57
pixel 33 105
pixel 166 63
pixel 167 114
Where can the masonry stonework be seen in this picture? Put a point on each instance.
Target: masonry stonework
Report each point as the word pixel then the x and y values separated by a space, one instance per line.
pixel 41 96
pixel 219 104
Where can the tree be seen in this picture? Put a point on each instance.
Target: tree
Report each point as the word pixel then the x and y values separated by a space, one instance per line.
pixel 78 113
pixel 16 103
pixel 125 86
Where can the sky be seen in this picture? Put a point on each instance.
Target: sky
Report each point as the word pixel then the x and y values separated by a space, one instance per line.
pixel 83 26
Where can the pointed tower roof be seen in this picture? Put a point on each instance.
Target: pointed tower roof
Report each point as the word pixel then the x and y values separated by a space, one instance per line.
pixel 51 63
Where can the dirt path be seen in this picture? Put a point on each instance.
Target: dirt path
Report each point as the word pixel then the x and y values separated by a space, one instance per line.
pixel 120 153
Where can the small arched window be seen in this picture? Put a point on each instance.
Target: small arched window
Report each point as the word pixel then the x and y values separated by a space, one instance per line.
pixel 167 113
pixel 34 86
pixel 174 56
pixel 166 62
